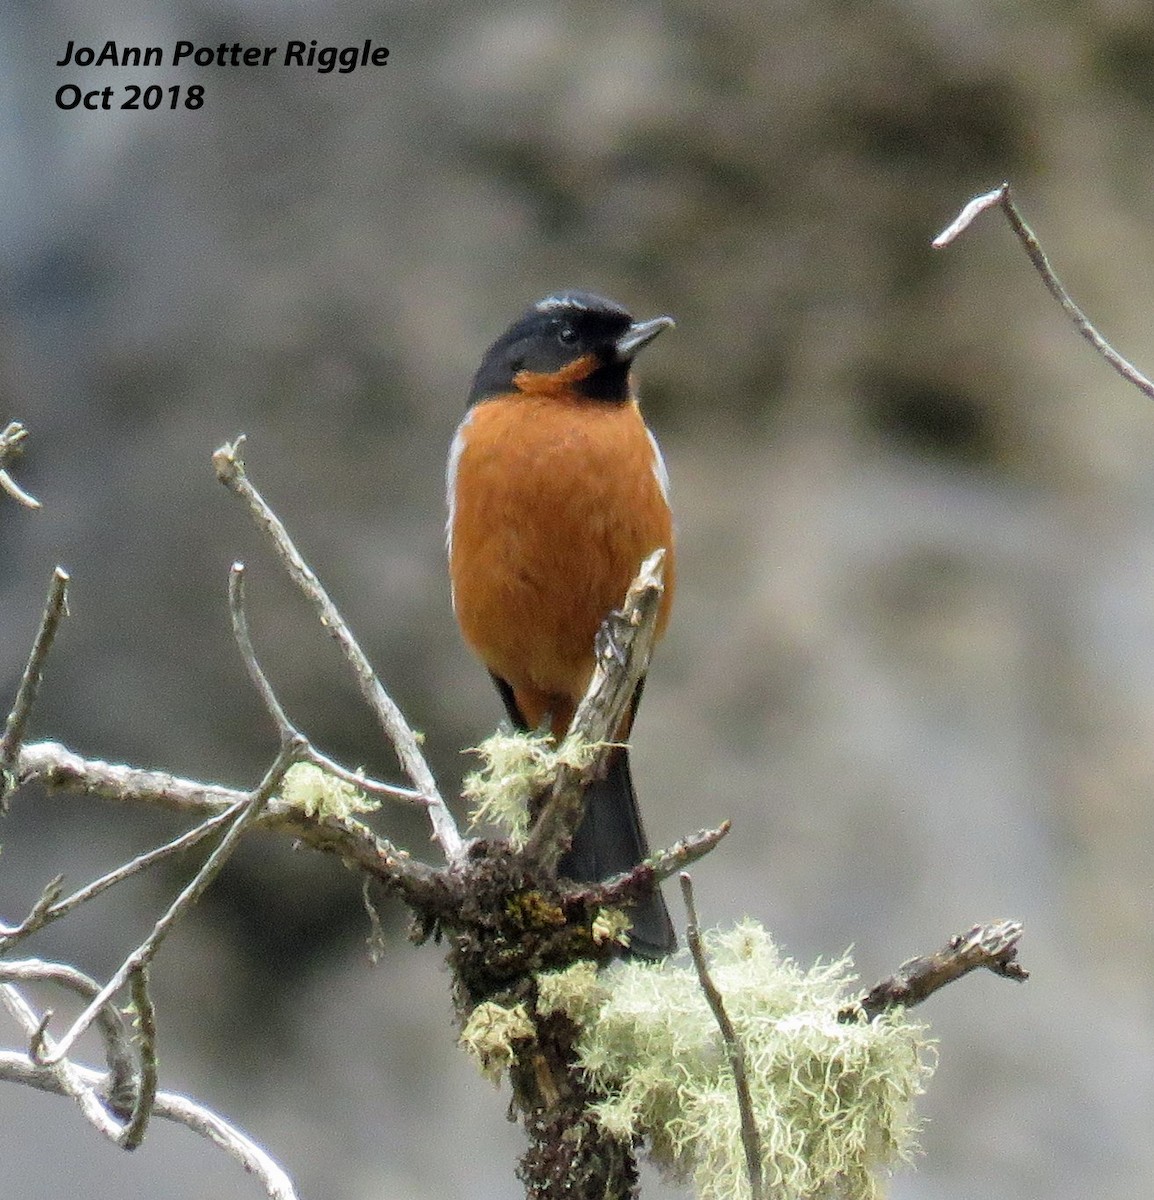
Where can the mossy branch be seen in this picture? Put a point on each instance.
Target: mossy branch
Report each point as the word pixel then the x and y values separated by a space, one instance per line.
pixel 599 1060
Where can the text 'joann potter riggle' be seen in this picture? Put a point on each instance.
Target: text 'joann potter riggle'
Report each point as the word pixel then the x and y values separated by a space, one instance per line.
pixel 293 54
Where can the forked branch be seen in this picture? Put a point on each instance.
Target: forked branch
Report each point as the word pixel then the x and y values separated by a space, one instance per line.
pixel 230 470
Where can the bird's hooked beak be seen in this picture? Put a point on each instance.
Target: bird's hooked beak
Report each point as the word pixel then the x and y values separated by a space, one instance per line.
pixel 639 335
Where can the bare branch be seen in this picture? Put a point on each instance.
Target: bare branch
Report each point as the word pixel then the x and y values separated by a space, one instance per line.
pixel 286 730
pixel 230 470
pixel 376 938
pixel 50 908
pixel 750 1136
pixel 964 219
pixel 18 1068
pixel 54 609
pixel 57 768
pixel 69 1082
pixel 36 919
pixel 993 946
pixel 146 951
pixel 11 439
pixel 623 650
pixel 145 1011
pixel 640 882
pixel 1000 198
pixel 256 1161
pixel 366 783
pixel 668 862
pixel 117 1050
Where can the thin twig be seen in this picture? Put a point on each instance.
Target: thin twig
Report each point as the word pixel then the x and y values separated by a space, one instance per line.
pixel 376 938
pixel 11 439
pixel 18 1068
pixel 145 1017
pixel 230 470
pixel 623 650
pixel 366 783
pixel 256 1161
pixel 993 946
pixel 1000 198
pixel 750 1136
pixel 68 1080
pixel 286 730
pixel 630 886
pixel 146 951
pixel 117 1049
pixel 36 919
pixel 678 856
pixel 55 608
pixel 50 908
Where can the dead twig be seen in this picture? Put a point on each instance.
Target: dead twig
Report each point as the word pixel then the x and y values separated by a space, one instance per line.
pixel 51 908
pixel 750 1136
pixel 230 470
pixel 145 1020
pixel 993 946
pixel 1000 198
pixel 146 951
pixel 59 769
pixel 18 1068
pixel 68 1081
pixel 681 854
pixel 623 652
pixel 288 733
pixel 55 608
pixel 622 890
pixel 11 443
pixel 109 1022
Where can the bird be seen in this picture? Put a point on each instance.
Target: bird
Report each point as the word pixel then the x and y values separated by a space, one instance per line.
pixel 557 491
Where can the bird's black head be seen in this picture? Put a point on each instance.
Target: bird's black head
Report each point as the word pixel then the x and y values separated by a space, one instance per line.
pixel 572 341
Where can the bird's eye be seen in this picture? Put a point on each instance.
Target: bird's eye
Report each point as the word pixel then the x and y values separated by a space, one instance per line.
pixel 567 335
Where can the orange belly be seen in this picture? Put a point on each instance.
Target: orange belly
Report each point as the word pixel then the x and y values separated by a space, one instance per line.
pixel 556 504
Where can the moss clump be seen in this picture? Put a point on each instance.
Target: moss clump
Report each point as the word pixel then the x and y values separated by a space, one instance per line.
pixel 318 794
pixel 490 1032
pixel 516 767
pixel 832 1101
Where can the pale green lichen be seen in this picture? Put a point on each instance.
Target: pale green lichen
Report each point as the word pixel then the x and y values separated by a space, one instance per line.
pixel 611 925
pixel 833 1101
pixel 318 794
pixel 515 767
pixel 490 1032
pixel 576 992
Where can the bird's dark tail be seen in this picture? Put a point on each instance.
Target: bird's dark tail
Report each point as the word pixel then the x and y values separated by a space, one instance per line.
pixel 611 840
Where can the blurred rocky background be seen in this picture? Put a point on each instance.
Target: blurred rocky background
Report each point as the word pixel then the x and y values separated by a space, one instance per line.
pixel 913 651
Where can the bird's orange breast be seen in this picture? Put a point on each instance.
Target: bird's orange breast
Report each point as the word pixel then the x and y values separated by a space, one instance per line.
pixel 554 504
